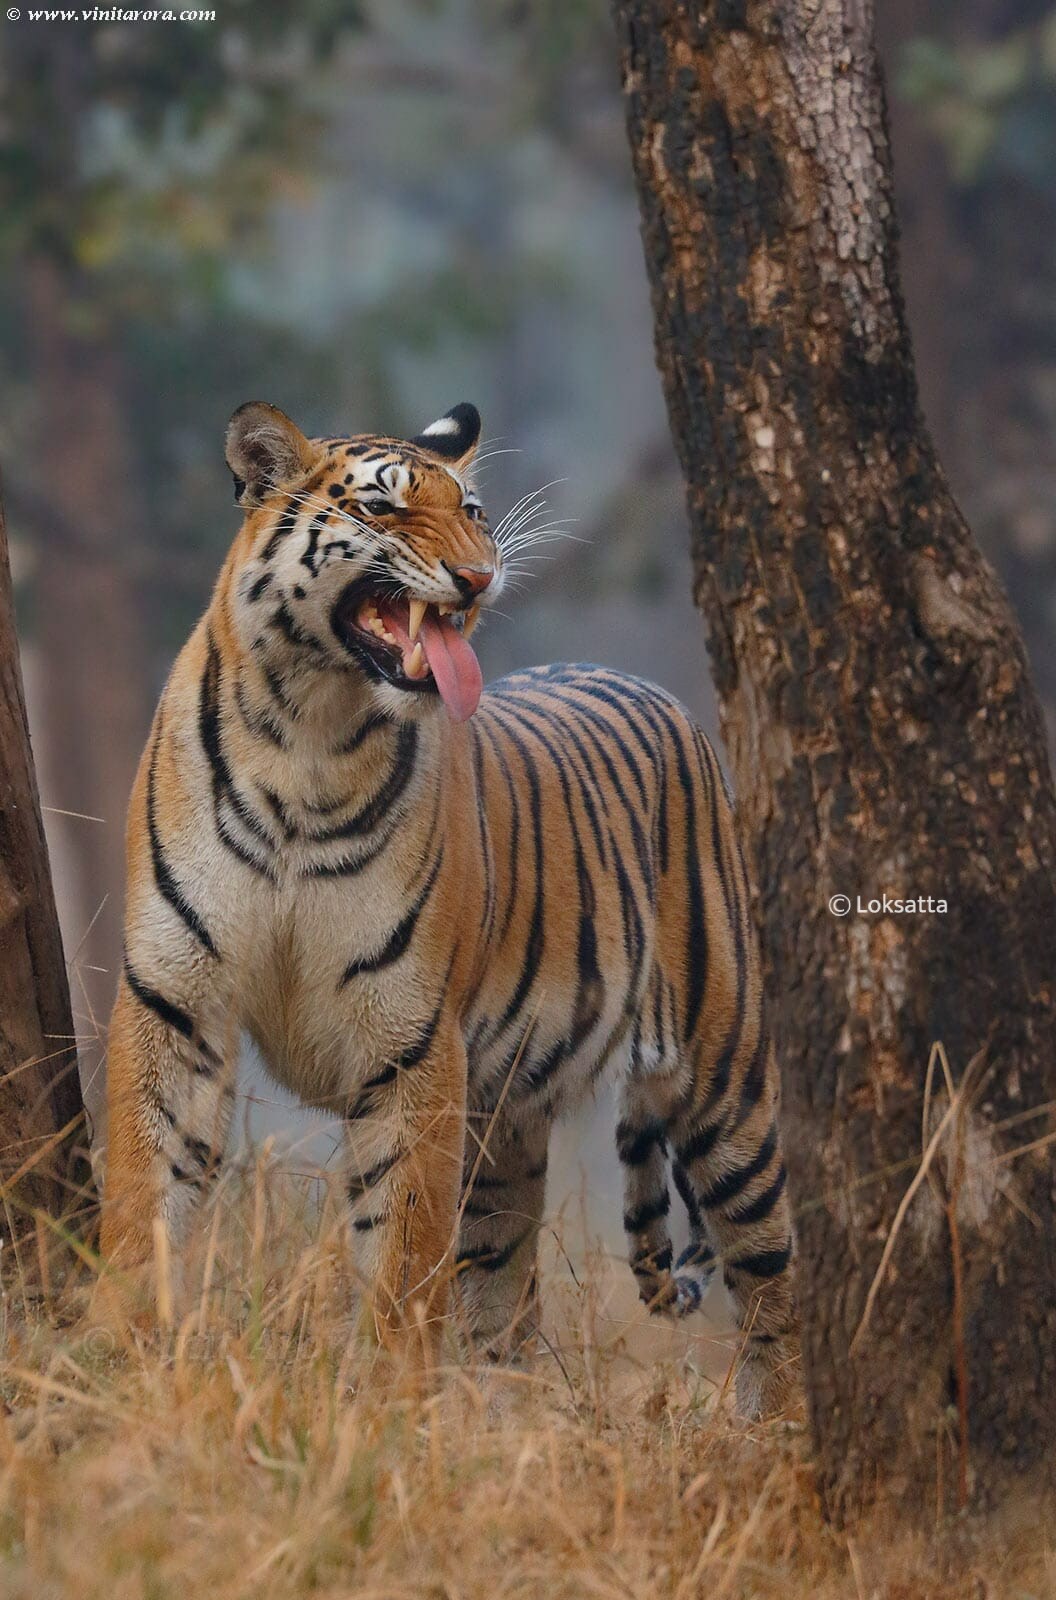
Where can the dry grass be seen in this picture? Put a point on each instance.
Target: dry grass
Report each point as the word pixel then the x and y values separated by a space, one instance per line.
pixel 256 1449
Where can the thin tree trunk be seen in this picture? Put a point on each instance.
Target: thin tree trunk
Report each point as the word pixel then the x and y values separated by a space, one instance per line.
pixel 884 736
pixel 42 1135
pixel 94 675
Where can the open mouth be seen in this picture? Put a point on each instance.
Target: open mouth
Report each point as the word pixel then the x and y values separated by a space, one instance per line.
pixel 412 644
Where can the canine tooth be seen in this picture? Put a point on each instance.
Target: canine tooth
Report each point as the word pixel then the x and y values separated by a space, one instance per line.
pixel 415 662
pixel 472 618
pixel 416 611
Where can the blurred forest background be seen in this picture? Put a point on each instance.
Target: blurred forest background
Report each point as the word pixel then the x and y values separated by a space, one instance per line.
pixel 366 212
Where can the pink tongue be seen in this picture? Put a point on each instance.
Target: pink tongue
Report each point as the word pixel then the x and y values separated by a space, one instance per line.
pixel 454 666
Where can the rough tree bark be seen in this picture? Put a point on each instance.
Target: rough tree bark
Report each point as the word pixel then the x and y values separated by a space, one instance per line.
pixel 89 627
pixel 42 1136
pixel 884 736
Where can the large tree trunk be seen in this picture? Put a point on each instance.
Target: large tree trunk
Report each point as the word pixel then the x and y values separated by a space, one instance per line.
pixel 884 736
pixel 42 1136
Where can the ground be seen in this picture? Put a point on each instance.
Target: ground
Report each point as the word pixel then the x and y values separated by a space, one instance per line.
pixel 255 1448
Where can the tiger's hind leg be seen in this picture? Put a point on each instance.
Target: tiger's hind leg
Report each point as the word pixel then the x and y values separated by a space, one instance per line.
pixel 735 1179
pixel 641 1144
pixel 695 1266
pixel 501 1212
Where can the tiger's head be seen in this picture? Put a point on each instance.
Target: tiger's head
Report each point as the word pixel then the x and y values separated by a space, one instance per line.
pixel 366 553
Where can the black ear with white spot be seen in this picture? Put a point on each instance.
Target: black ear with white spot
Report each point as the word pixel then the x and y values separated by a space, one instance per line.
pixel 265 451
pixel 454 436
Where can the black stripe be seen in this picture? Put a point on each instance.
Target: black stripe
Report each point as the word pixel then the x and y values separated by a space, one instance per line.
pixel 164 878
pixel 485 837
pixel 170 1014
pixel 496 1183
pixel 571 686
pixel 759 1209
pixel 654 712
pixel 278 692
pixel 515 828
pixel 767 1264
pixel 535 943
pixel 367 1224
pixel 649 1263
pixel 727 1188
pixel 489 1257
pixel 400 937
pixel 237 848
pixel 659 707
pixel 283 621
pixel 417 1052
pixel 591 721
pixel 535 1076
pixel 754 1081
pixel 480 1213
pixel 283 526
pixel 560 760
pixel 369 815
pixel 223 786
pixel 359 1182
pixel 633 928
pixel 174 1017
pixel 587 774
pixel 199 1150
pixel 687 1195
pixel 259 587
pixel 648 1212
pixel 590 989
pixel 348 866
pixel 700 1144
pixel 376 719
pixel 659 1038
pixel 696 957
pixel 696 1254
pixel 277 807
pixel 326 808
pixel 307 557
pixel 361 1103
pixel 634 1145
pixel 621 702
pixel 260 724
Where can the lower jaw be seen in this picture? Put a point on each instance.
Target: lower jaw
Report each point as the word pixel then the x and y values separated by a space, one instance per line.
pixel 380 673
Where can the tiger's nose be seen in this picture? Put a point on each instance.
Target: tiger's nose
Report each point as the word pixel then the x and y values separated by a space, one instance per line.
pixel 471 581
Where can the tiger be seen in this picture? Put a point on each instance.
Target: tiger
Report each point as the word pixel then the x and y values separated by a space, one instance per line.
pixel 443 913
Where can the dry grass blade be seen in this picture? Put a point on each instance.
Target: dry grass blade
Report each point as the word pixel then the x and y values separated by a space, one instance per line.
pixel 253 1451
pixel 953 1110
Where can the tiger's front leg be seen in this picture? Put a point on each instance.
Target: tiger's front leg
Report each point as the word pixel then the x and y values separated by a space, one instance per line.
pixel 170 1092
pixel 404 1139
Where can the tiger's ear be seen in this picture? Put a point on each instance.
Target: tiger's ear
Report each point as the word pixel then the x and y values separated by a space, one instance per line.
pixel 265 451
pixel 454 436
